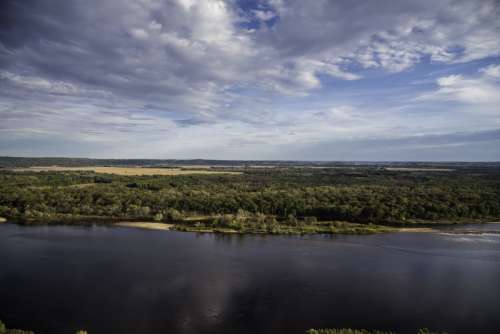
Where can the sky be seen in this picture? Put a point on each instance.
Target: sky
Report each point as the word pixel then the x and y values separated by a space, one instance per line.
pixel 251 80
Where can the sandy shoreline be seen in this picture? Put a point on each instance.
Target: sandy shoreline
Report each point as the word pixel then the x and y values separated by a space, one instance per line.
pixel 145 225
pixel 417 229
pixel 437 229
pixel 167 227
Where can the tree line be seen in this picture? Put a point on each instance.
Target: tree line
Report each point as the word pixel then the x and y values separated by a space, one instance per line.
pixel 287 194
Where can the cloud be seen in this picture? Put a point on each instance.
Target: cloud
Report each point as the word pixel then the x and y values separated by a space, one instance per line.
pixel 449 35
pixel 200 73
pixel 479 90
pixel 309 40
pixel 139 33
pixel 264 15
pixel 393 37
pixel 476 146
pixel 492 71
pixel 38 85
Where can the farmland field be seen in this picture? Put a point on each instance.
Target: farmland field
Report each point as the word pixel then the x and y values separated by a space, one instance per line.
pixel 131 171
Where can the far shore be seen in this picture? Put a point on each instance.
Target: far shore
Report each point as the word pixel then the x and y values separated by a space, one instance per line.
pixel 347 228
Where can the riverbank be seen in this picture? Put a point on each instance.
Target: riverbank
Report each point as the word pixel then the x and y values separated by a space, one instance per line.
pixel 146 225
pixel 188 225
pixel 199 225
pixel 332 228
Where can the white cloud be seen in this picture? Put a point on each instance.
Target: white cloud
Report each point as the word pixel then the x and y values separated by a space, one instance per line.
pixel 41 85
pixel 264 15
pixel 139 33
pixel 456 32
pixel 478 90
pixel 492 71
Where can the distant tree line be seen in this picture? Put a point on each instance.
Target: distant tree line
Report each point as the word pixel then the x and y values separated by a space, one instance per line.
pixel 10 162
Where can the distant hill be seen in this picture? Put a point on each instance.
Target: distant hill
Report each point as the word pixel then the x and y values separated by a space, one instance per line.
pixel 11 162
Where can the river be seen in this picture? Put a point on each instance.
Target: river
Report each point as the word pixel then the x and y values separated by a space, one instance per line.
pixel 57 279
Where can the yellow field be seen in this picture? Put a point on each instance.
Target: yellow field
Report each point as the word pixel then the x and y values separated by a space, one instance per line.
pixel 124 170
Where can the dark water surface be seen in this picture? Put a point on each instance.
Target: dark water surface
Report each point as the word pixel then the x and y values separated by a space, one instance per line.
pixel 123 280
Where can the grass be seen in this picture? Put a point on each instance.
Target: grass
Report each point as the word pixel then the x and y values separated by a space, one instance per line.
pixel 256 228
pixel 127 171
pixel 5 330
pixel 345 331
pixel 360 331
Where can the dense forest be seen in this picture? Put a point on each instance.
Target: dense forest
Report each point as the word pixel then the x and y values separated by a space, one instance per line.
pixel 261 197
